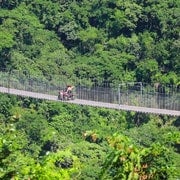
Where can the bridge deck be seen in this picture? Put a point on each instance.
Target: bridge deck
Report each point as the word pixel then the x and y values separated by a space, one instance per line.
pixel 90 103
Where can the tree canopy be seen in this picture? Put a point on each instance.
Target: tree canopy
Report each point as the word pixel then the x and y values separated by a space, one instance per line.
pixel 55 37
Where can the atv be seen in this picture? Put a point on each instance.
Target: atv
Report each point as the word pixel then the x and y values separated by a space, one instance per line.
pixel 64 96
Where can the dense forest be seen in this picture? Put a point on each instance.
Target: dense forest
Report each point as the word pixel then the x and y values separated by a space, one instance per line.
pixel 52 140
pixel 116 40
pixel 112 40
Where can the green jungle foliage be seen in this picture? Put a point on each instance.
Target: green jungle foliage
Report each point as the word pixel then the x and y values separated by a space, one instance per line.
pixel 115 40
pixel 112 40
pixel 53 140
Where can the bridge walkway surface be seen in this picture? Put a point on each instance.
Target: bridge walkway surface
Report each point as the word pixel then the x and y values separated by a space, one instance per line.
pixel 90 103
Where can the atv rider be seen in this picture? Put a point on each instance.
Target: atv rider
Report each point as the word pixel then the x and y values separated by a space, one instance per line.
pixel 69 89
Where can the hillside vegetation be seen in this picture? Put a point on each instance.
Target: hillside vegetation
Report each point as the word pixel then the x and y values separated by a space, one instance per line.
pixel 52 140
pixel 115 40
pixel 106 40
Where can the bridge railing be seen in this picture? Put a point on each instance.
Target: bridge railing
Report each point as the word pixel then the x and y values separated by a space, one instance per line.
pixel 145 95
pixel 131 93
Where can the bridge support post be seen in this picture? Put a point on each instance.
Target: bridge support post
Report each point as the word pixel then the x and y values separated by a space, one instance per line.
pixel 9 77
pixel 119 94
pixel 141 89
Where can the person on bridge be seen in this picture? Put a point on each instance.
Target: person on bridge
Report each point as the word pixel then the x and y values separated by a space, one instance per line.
pixel 69 89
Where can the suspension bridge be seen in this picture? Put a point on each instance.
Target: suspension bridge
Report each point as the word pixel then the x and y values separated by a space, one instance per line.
pixel 132 96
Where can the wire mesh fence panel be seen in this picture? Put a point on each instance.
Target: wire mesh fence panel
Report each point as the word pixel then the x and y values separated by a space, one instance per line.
pixel 145 95
pixel 4 79
pixel 97 93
